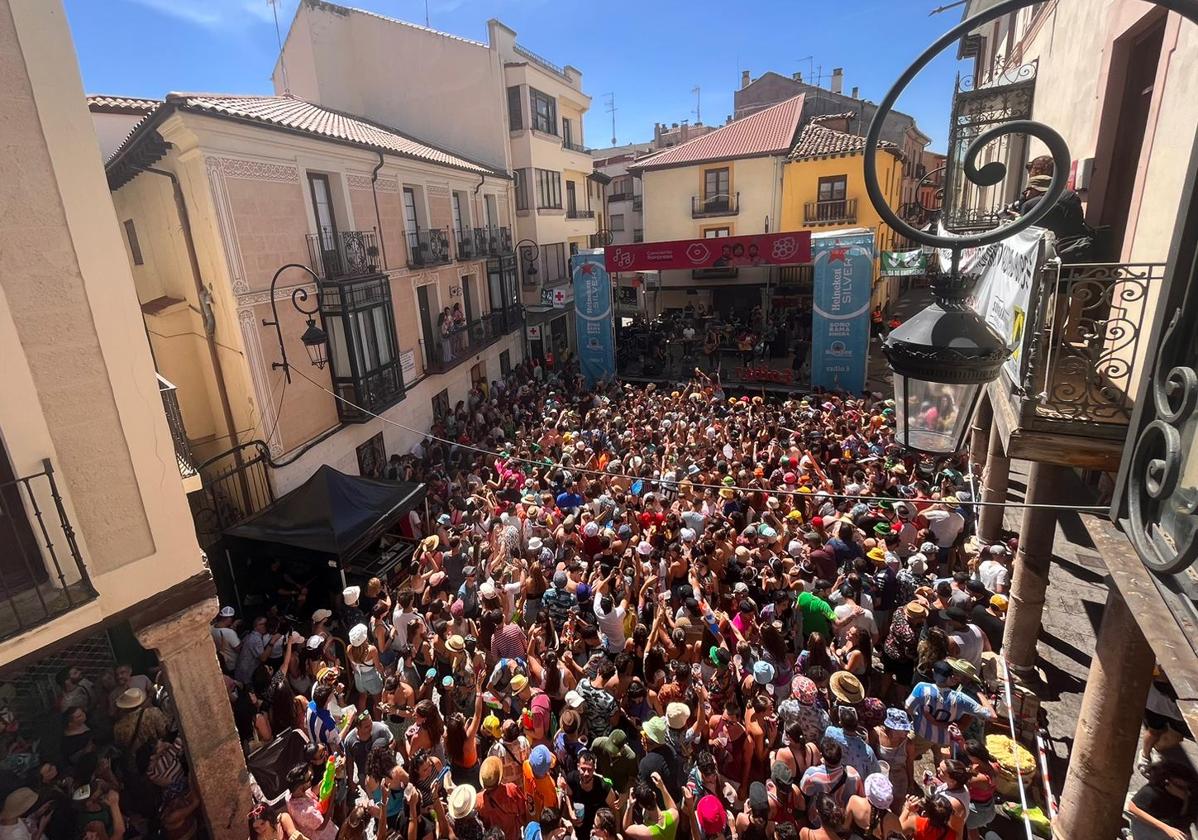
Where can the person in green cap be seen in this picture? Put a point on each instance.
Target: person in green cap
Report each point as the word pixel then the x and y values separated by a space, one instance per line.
pixel 615 760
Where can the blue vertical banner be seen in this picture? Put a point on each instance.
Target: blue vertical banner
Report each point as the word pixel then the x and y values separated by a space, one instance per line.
pixel 593 315
pixel 843 282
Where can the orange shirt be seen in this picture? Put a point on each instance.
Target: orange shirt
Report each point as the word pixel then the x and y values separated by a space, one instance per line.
pixel 541 793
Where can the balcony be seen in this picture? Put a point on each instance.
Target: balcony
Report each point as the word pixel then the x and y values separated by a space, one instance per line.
pixel 706 207
pixel 188 471
pixel 466 245
pixel 492 242
pixel 842 211
pixel 575 147
pixel 601 239
pixel 637 202
pixel 428 248
pixel 461 345
pixel 42 575
pixel 1079 363
pixel 337 255
pixel 575 213
pixel 620 196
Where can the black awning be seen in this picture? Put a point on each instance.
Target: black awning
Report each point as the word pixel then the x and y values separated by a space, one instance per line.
pixel 332 513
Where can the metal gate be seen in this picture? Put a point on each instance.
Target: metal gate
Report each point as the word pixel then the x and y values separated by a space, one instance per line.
pixel 236 486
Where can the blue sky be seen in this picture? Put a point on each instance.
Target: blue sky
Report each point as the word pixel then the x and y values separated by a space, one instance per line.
pixel 650 55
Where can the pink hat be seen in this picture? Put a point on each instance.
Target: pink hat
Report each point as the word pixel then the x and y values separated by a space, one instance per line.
pixel 803 689
pixel 790 478
pixel 457 608
pixel 710 814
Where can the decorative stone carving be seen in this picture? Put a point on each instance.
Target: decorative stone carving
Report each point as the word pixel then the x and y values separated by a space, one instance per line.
pixel 254 170
pixel 224 222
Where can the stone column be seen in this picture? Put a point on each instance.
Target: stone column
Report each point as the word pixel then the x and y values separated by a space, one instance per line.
pixel 994 486
pixel 979 440
pixel 1108 728
pixel 184 646
pixel 1030 572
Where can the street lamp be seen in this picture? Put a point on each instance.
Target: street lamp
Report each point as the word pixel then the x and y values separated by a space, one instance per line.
pixel 529 253
pixel 314 338
pixel 944 355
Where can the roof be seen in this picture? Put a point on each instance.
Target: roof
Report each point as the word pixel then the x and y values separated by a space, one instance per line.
pixel 295 115
pixel 816 140
pixel 336 8
pixel 332 513
pixel 101 104
pixel 844 115
pixel 768 132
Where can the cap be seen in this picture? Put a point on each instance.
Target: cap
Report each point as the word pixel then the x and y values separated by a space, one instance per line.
pixel 321 615
pixel 644 547
pixel 358 635
pixel 351 594
pixel 954 614
pixel 560 579
pixel 314 642
pixel 468 571
pixel 540 760
pixel 759 799
pixel 763 672
pixel 225 612
pixel 574 699
pixel 710 814
pixel 999 602
pixel 535 544
pixel 781 773
pixel 491 726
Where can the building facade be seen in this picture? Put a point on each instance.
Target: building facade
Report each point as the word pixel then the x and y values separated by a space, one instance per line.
pixel 410 271
pixel 725 183
pixel 97 562
pixel 495 102
pixel 623 198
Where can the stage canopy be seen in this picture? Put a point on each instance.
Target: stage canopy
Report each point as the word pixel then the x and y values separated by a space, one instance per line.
pixel 332 513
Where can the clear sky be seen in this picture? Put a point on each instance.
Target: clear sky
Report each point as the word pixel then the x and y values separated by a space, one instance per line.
pixel 650 54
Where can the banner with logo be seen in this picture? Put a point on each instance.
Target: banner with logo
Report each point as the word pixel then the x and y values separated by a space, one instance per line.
pixel 904 263
pixel 844 268
pixel 559 297
pixel 593 316
pixel 792 248
pixel 1005 272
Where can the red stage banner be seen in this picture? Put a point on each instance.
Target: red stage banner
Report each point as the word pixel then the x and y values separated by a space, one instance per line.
pixel 792 248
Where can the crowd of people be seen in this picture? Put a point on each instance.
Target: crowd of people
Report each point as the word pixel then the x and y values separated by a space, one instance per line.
pixel 646 613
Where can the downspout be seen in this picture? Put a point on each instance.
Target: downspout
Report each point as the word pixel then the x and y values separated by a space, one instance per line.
pixel 202 293
pixel 378 221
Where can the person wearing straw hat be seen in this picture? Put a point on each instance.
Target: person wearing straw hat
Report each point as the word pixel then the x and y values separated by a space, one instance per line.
pixel 138 722
pixel 16 821
pixel 462 810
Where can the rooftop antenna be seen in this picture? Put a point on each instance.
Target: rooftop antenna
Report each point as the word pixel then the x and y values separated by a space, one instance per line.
pixel 611 109
pixel 698 102
pixel 810 59
pixel 426 23
pixel 274 6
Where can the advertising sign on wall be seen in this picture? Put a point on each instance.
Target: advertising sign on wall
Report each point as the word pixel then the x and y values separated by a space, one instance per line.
pixel 844 267
pixel 903 263
pixel 593 316
pixel 792 248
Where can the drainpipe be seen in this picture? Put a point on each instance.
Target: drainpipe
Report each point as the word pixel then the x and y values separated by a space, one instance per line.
pixel 378 222
pixel 202 293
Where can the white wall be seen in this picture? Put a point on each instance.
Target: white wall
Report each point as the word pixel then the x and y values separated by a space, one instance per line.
pixel 111 131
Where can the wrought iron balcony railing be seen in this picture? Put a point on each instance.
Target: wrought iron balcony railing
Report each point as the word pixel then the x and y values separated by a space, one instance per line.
pixel 620 196
pixel 493 241
pixel 44 576
pixel 714 205
pixel 467 245
pixel 174 420
pixel 447 352
pixel 830 212
pixel 578 213
pixel 1082 347
pixel 575 147
pixel 428 247
pixel 336 255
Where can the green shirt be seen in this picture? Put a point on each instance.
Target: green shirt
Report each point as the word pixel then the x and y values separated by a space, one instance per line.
pixel 817 614
pixel 666 829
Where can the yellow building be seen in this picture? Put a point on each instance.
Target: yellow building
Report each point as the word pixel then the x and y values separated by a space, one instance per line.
pixel 823 188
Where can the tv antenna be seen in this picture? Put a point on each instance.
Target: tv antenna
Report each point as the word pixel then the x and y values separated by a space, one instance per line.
pixel 815 72
pixel 274 6
pixel 611 109
pixel 698 103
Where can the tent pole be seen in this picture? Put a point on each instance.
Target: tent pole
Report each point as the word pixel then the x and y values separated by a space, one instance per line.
pixel 427 521
pixel 341 571
pixel 233 578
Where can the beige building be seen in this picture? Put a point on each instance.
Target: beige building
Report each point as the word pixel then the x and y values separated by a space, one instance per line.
pixel 495 102
pixel 98 562
pixel 411 273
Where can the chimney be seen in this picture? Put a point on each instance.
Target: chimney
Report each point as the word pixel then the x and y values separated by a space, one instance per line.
pixel 744 79
pixel 856 92
pixel 684 132
pixel 657 134
pixel 675 125
pixel 798 77
pixel 837 80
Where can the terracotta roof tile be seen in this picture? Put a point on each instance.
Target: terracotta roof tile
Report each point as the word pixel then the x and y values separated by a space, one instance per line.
pixel 98 103
pixel 768 132
pixel 816 140
pixel 298 115
pixel 846 115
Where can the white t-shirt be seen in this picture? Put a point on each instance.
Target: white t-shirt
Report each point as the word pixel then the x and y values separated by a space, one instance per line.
pixel 225 639
pixel 969 644
pixel 17 831
pixel 945 525
pixel 993 575
pixel 864 619
pixel 611 625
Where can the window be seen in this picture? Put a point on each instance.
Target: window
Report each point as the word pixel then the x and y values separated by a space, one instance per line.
pixel 552 269
pixel 410 219
pixel 521 186
pixel 715 185
pixel 567 131
pixel 638 235
pixel 365 366
pixel 514 115
pixel 549 189
pixel 544 111
pixel 621 187
pixel 505 363
pixel 716 233
pixel 571 197
pixel 134 246
pixel 617 221
pixel 459 218
pixel 441 404
pixel 478 374
pixel 833 189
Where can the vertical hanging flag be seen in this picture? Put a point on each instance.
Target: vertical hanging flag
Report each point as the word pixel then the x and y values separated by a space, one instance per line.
pixel 844 267
pixel 593 315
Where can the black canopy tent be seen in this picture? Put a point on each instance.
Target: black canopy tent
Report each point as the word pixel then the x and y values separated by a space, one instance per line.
pixel 332 517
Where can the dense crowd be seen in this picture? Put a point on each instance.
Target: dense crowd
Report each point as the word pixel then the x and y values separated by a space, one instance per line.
pixel 646 613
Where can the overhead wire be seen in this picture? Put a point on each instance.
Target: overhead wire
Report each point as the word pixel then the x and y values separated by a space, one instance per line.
pixel 589 471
